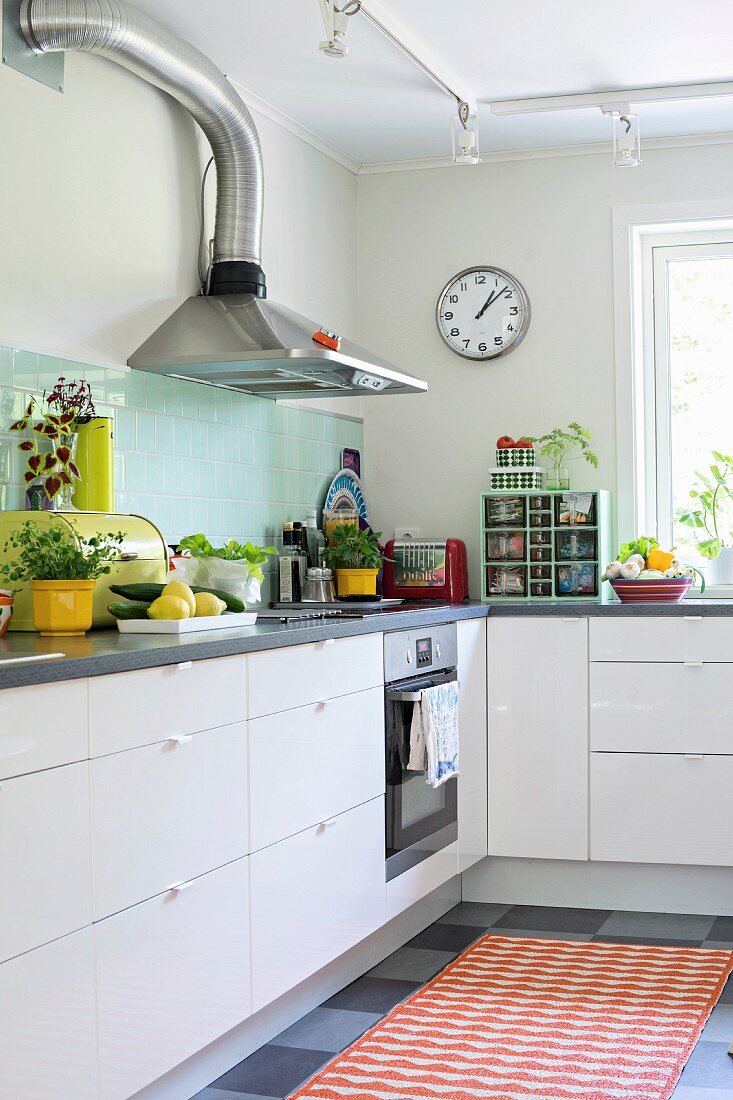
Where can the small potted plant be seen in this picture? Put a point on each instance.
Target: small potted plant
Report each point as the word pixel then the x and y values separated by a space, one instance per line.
pixel 356 559
pixel 713 516
pixel 62 569
pixel 558 445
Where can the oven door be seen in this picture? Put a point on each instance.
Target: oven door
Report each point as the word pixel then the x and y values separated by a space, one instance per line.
pixel 420 819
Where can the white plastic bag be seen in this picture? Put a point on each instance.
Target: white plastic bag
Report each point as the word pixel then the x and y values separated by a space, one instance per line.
pixel 234 577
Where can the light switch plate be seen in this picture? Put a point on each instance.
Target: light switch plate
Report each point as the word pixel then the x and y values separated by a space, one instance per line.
pixel 47 68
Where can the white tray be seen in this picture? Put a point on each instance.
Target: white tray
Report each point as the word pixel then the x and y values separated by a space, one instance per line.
pixel 187 626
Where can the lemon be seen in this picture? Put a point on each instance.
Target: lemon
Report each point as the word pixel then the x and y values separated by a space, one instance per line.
pixel 208 604
pixel 183 592
pixel 169 607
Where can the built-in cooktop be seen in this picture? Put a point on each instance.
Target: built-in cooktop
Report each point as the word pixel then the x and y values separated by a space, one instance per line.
pixel 302 612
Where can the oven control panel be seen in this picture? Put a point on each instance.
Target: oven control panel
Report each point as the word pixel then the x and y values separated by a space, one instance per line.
pixel 424 652
pixel 407 652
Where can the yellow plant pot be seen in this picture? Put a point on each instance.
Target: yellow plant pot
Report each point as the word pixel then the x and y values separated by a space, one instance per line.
pixel 356 582
pixel 62 609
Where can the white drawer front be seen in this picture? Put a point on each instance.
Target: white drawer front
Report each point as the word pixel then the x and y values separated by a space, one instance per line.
pixel 670 638
pixel 173 974
pixel 166 813
pixel 43 726
pixel 48 1038
pixel 313 897
pixel 45 857
pixel 282 679
pixel 647 707
pixel 312 763
pixel 138 708
pixel 662 809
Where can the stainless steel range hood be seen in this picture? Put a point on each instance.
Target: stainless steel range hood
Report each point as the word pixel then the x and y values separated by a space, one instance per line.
pixel 230 335
pixel 250 344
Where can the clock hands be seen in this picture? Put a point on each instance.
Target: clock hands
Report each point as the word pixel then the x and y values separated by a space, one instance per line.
pixel 491 298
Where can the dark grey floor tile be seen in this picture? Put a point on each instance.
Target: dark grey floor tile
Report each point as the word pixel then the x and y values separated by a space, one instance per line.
pixel 666 926
pixel 413 964
pixel 447 937
pixel 719 1028
pixel 710 1066
pixel 726 997
pixel 327 1029
pixel 273 1071
pixel 372 995
pixel 652 941
pixel 224 1094
pixel 722 929
pixel 474 912
pixel 553 919
pixel 581 937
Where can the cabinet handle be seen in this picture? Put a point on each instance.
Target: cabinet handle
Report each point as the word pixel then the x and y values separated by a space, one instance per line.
pixel 179 739
pixel 179 887
pixel 692 618
pixel 575 619
pixel 329 641
pixel 328 823
pixel 694 756
pixel 184 665
pixel 322 704
pixel 693 664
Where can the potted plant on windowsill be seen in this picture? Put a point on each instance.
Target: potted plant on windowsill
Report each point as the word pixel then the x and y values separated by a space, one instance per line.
pixel 62 570
pixel 356 559
pixel 714 515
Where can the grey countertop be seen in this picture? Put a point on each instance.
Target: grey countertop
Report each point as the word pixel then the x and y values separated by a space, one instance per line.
pixel 103 651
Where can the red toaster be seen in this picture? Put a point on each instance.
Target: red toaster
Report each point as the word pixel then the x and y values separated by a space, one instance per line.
pixel 431 569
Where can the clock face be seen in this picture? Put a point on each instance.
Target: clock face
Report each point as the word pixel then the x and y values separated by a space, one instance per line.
pixel 483 313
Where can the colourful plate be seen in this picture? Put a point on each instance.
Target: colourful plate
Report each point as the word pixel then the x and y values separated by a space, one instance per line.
pixel 655 591
pixel 347 491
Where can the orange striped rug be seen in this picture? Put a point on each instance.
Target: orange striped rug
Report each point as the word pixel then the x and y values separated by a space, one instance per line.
pixel 514 1017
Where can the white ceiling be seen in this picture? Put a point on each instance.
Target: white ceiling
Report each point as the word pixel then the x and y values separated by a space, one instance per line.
pixel 375 106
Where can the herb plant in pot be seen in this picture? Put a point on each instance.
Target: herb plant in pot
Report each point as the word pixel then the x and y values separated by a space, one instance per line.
pixel 559 446
pixel 355 557
pixel 62 570
pixel 712 515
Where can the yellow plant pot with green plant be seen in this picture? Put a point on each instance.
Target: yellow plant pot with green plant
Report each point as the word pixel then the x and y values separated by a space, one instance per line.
pixel 356 559
pixel 62 569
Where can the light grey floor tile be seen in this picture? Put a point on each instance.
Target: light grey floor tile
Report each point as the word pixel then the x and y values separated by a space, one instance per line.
pixel 327 1029
pixel 719 1028
pixel 687 1092
pixel 581 937
pixel 413 964
pixel 672 926
pixel 222 1094
pixel 476 913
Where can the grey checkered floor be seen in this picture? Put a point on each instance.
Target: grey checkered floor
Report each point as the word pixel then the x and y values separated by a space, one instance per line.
pixel 276 1070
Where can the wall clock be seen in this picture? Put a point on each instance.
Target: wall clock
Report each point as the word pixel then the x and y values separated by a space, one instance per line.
pixel 483 313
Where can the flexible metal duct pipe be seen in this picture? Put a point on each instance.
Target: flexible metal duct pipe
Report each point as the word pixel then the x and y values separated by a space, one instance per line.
pixel 119 32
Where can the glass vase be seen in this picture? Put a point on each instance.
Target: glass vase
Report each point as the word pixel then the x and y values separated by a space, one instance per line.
pixel 62 502
pixel 558 478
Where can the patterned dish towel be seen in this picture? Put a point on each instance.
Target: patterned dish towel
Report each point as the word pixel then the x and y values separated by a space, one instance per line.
pixel 434 734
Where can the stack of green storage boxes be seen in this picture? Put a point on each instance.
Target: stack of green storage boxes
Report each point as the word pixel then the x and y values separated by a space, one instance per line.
pixel 544 545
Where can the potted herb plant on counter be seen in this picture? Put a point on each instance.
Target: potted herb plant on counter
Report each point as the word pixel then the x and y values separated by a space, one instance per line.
pixel 356 559
pixel 558 445
pixel 62 570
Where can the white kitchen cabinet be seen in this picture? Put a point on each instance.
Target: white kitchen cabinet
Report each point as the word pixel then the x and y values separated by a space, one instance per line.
pixel 45 857
pixel 130 709
pixel 314 896
pixel 538 737
pixel 282 679
pixel 675 638
pixel 48 1038
pixel 660 708
pixel 312 763
pixel 166 813
pixel 43 727
pixel 173 974
pixel 472 783
pixel 655 808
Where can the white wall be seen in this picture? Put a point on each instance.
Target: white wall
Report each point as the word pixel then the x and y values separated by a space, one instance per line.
pixel 547 221
pixel 99 193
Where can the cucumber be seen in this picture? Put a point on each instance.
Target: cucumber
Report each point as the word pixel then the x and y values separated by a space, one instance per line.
pixel 130 609
pixel 146 593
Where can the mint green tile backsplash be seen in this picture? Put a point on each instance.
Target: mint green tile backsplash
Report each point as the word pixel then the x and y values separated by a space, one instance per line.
pixel 189 457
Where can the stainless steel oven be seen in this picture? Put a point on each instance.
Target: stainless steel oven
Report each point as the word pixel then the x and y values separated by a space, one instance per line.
pixel 420 819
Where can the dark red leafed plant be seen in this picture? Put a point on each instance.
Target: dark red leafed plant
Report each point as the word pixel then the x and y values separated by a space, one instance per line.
pixel 68 405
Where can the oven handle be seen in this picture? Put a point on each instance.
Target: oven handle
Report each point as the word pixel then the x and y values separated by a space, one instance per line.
pixel 414 695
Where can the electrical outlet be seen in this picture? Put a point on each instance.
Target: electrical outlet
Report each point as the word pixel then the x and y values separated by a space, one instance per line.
pixel 408 532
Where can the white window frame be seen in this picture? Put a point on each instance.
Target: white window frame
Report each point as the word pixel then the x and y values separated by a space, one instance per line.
pixel 641 323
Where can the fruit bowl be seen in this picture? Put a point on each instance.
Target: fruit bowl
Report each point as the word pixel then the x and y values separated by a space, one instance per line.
pixel 661 590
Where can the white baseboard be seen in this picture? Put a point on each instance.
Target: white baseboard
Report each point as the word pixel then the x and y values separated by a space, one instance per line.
pixel 649 888
pixel 226 1052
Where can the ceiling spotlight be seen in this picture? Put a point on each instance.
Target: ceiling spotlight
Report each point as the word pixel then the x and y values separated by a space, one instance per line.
pixel 626 138
pixel 335 21
pixel 464 136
